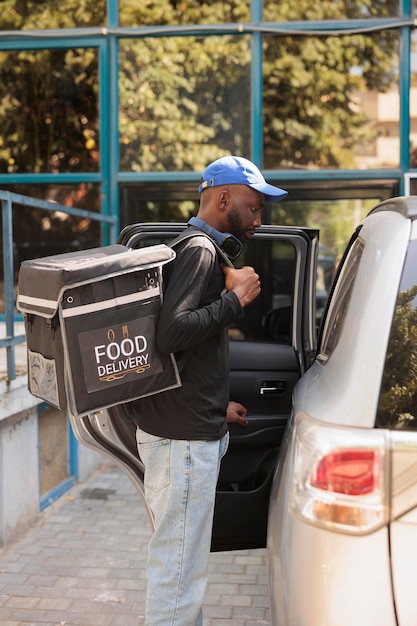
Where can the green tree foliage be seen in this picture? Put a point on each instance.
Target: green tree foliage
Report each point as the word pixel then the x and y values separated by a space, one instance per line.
pixel 398 402
pixel 166 12
pixel 311 84
pixel 285 10
pixel 46 14
pixel 48 107
pixel 48 98
pixel 185 100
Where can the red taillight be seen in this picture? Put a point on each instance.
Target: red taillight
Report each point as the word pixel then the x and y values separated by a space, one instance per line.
pixel 339 476
pixel 350 472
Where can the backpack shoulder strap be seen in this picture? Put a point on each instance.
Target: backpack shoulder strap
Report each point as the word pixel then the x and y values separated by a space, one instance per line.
pixel 188 234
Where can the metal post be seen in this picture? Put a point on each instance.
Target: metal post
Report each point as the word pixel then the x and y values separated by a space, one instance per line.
pixel 404 94
pixel 6 206
pixel 256 87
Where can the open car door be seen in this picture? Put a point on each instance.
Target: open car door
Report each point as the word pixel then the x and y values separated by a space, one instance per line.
pixel 271 345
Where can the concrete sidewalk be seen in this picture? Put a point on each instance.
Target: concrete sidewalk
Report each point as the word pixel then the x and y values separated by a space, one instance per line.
pixel 84 563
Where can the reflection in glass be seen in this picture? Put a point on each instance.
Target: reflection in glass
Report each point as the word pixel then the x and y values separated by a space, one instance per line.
pixel 331 102
pixel 336 219
pixel 38 233
pixel 287 10
pixel 398 400
pixel 49 111
pixel 184 101
pixel 398 397
pixel 49 14
pixel 157 203
pixel 341 296
pixel 140 13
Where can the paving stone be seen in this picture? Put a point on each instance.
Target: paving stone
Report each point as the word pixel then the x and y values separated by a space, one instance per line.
pixel 84 564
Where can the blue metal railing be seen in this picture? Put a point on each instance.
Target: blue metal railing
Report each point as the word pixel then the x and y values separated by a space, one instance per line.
pixel 7 199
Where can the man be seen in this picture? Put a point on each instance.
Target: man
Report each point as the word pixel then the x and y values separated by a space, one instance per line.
pixel 182 433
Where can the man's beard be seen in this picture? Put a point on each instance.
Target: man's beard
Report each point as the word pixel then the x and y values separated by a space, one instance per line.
pixel 235 225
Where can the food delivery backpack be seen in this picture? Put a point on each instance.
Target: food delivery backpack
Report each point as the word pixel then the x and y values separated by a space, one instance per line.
pixel 90 324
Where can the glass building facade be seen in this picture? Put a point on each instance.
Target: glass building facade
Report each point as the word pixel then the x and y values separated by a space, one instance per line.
pixel 118 106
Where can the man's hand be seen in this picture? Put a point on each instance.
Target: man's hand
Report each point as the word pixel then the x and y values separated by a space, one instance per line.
pixel 244 282
pixel 236 412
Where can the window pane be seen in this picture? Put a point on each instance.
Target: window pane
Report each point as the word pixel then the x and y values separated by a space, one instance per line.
pixel 336 219
pixel 269 316
pixel 159 12
pixel 184 101
pixel 413 187
pixel 331 102
pixel 336 316
pixel 45 14
pixel 49 111
pixel 39 233
pixel 398 397
pixel 170 202
pixel 329 9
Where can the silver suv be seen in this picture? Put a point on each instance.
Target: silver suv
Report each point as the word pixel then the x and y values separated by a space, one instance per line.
pixel 343 510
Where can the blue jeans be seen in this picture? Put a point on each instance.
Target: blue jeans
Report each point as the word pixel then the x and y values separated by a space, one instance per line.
pixel 180 488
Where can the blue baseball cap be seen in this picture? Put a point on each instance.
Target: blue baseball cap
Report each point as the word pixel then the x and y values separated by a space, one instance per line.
pixel 234 170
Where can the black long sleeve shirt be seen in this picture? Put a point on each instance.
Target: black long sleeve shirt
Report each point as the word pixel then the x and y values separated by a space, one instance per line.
pixel 193 325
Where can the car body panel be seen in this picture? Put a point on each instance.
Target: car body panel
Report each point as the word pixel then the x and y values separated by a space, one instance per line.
pixel 317 588
pixel 112 433
pixel 403 528
pixel 342 579
pixel 404 557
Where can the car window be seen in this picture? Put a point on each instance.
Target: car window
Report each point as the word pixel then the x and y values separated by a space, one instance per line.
pixel 269 317
pixel 397 407
pixel 339 301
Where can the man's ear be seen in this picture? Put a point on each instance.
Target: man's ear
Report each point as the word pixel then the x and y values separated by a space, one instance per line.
pixel 223 199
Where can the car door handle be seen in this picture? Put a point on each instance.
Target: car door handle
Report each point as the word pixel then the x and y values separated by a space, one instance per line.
pixel 272 387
